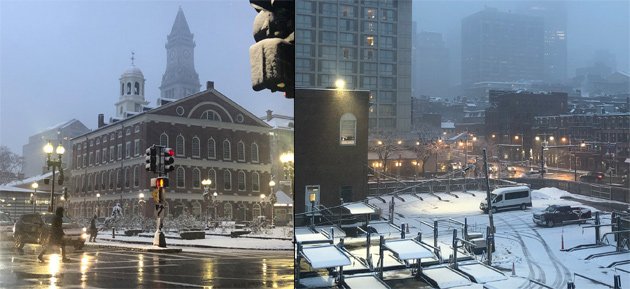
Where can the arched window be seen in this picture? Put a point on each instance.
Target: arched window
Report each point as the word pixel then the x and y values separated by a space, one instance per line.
pixel 241 181
pixel 254 153
pixel 196 178
pixel 212 149
pixel 127 177
pixel 164 139
pixel 96 181
pixel 212 176
pixel 211 115
pixel 240 151
pixel 111 180
pixel 136 176
pixel 122 89
pixel 119 178
pixel 255 182
pixel 103 180
pixel 180 178
pixel 227 180
pixel 348 129
pixel 128 87
pixel 256 211
pixel 227 150
pixel 179 145
pixel 227 211
pixel 89 182
pixel 136 88
pixel 195 147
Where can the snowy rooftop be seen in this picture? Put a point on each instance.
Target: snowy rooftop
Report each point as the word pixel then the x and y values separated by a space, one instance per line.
pixel 327 256
pixel 307 237
pixel 368 281
pixel 283 200
pixel 30 180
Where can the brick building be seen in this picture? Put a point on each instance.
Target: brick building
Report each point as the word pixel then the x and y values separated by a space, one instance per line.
pixel 213 138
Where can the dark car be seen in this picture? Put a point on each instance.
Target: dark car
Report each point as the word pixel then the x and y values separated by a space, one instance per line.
pixel 35 228
pixel 6 225
pixel 592 177
pixel 560 215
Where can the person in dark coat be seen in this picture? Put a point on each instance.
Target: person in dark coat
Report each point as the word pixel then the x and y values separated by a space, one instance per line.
pixel 93 230
pixel 56 236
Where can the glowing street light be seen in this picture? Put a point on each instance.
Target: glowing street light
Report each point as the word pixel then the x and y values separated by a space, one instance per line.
pixel 55 164
pixel 340 84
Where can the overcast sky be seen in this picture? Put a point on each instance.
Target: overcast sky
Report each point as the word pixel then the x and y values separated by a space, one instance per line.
pixel 63 59
pixel 592 25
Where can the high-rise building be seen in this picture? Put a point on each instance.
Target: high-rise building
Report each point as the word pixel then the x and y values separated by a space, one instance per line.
pixel 502 47
pixel 430 65
pixel 365 43
pixel 180 78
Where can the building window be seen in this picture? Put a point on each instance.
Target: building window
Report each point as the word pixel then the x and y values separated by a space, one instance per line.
pixel 127 177
pixel 119 178
pixel 240 151
pixel 119 151
pixel 136 176
pixel 212 176
pixel 128 131
pixel 212 149
pixel 137 129
pixel 111 180
pixel 180 177
pixel 227 211
pixel 179 145
pixel 85 159
pixel 256 211
pixel 195 147
pixel 128 149
pixel 348 129
pixel 254 153
pixel 241 180
pixel 89 182
pixel 196 178
pixel 227 150
pixel 136 88
pixel 136 147
pixel 164 139
pixel 111 153
pixel 369 40
pixel 211 115
pixel 103 180
pixel 91 160
pixel 227 180
pixel 255 182
pixel 98 157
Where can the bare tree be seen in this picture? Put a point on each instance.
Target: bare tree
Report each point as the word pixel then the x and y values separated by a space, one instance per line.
pixel 384 143
pixel 426 143
pixel 10 165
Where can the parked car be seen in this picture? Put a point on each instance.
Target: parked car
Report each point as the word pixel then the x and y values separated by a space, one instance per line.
pixel 35 228
pixel 556 214
pixel 592 177
pixel 508 197
pixel 6 224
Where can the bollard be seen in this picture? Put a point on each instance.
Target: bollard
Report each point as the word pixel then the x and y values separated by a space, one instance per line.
pixel 113 233
pixel 419 238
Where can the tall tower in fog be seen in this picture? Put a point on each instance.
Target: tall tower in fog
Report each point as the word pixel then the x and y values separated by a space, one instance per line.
pixel 502 47
pixel 180 78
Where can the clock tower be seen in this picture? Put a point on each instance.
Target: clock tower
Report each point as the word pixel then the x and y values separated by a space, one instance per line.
pixel 180 78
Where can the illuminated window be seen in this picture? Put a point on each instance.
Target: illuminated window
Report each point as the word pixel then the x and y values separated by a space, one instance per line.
pixel 369 40
pixel 347 129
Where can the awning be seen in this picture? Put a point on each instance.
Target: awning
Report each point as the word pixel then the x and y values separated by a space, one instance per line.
pixel 408 249
pixel 326 256
pixel 359 209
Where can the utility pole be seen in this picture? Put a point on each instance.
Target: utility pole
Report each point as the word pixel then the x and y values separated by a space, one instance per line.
pixel 490 232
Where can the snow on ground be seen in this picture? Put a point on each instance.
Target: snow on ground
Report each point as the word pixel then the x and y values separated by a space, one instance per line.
pixel 534 251
pixel 209 242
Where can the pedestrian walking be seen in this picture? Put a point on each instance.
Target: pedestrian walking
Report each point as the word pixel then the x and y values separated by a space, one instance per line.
pixel 93 230
pixel 55 238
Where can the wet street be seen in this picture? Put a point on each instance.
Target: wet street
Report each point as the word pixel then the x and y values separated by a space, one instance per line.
pixel 99 267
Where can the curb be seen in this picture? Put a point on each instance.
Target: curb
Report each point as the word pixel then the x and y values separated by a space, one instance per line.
pixel 178 245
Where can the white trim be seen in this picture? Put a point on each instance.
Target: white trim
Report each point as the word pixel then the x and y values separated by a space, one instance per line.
pixel 211 103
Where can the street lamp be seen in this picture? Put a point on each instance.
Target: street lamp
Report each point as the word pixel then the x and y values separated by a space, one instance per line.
pixel 55 164
pixel 98 205
pixel 272 198
pixel 312 197
pixel 14 207
pixel 34 185
pixel 262 199
pixel 214 203
pixel 141 203
pixel 206 185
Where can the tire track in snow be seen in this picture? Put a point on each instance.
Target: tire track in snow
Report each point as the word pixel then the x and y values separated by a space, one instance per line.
pixel 528 257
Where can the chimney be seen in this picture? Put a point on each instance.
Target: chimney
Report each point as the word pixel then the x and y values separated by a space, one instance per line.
pixel 209 85
pixel 101 120
pixel 269 115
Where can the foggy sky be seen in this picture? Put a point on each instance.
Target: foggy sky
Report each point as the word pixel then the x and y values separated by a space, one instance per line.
pixel 63 59
pixel 591 25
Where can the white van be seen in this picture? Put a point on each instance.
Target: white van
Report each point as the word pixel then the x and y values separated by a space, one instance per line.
pixel 509 197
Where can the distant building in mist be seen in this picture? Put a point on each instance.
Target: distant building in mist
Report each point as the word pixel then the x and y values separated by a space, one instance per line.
pixel 430 71
pixel 366 43
pixel 181 78
pixel 502 47
pixel 33 151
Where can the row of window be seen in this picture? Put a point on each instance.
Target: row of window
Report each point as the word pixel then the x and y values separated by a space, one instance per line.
pixel 111 154
pixel 104 138
pixel 131 178
pixel 211 148
pixel 136 88
pixel 332 9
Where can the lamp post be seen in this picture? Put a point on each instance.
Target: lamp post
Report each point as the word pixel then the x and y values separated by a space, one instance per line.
pixel 312 197
pixel 214 204
pixel 287 164
pixel 262 199
pixel 141 203
pixel 98 205
pixel 34 185
pixel 55 164
pixel 272 184
pixel 206 185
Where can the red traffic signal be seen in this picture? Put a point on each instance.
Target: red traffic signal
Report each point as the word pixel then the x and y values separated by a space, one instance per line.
pixel 159 182
pixel 168 161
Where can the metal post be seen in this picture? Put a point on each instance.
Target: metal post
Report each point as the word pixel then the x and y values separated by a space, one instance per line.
pixel 455 249
pixel 380 254
pixel 542 160
pixel 435 234
pixel 52 191
pixel 489 244
pixel 402 231
pixel 488 195
pixel 597 233
pixel 465 231
pixel 368 242
pixel 617 280
pixel 312 213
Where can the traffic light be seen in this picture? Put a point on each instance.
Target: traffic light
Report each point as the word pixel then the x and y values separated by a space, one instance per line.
pixel 168 161
pixel 150 159
pixel 159 182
